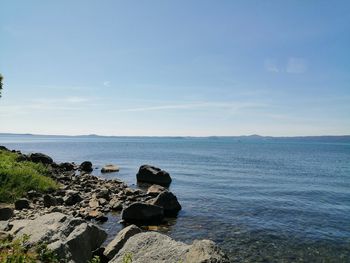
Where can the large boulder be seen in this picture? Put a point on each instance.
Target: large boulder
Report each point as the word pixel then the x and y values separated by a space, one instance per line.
pixel 169 202
pixel 86 166
pixel 109 168
pixel 40 158
pixel 156 247
pixel 72 239
pixel 3 148
pixel 141 213
pixel 118 242
pixel 153 175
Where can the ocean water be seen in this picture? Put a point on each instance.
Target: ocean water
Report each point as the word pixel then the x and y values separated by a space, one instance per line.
pixel 261 200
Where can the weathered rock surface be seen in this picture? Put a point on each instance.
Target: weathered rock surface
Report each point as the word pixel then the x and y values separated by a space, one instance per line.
pixel 156 247
pixel 6 213
pixel 155 189
pixel 109 168
pixel 153 175
pixel 169 202
pixel 71 238
pixel 40 158
pixel 118 242
pixel 141 213
pixel 22 203
pixel 86 166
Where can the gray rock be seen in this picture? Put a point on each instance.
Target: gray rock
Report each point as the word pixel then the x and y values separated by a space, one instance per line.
pixel 116 204
pixel 169 202
pixel 86 166
pixel 153 175
pixel 205 251
pixel 156 247
pixel 6 213
pixel 67 166
pixel 109 168
pixel 118 242
pixel 70 238
pixel 40 158
pixel 141 213
pixel 22 203
pixel 155 189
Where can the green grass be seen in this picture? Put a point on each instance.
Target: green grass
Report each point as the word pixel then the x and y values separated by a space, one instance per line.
pixel 17 178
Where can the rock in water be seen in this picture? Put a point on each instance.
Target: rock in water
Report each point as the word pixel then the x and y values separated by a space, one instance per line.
pixel 86 166
pixel 118 242
pixel 72 239
pixel 40 158
pixel 153 175
pixel 169 202
pixel 109 168
pixel 141 213
pixel 155 189
pixel 156 247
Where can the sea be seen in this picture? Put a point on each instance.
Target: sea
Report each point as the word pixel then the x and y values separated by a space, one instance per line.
pixel 261 199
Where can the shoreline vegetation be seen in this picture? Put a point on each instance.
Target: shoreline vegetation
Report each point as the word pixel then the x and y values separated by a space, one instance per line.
pixel 55 206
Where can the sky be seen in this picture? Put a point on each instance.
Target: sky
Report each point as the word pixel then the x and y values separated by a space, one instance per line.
pixel 175 68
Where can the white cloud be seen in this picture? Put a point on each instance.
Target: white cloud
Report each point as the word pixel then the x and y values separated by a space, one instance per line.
pixel 107 83
pixel 271 66
pixel 296 66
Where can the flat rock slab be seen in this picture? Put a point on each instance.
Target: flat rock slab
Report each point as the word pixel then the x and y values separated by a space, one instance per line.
pixel 110 168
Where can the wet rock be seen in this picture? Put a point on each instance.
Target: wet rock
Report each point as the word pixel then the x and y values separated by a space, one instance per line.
pixel 169 202
pixel 40 158
pixel 118 242
pixel 203 251
pixel 153 175
pixel 86 166
pixel 155 189
pixel 109 168
pixel 49 200
pixel 22 203
pixel 6 213
pixel 141 213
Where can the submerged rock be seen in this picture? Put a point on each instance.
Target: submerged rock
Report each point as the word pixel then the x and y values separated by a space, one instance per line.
pixel 141 213
pixel 109 168
pixel 72 239
pixel 156 247
pixel 153 175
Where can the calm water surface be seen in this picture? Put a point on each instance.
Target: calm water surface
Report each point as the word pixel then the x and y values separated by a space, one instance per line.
pixel 276 200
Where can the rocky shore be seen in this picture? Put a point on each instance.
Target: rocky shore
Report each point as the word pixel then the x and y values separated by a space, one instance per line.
pixel 64 218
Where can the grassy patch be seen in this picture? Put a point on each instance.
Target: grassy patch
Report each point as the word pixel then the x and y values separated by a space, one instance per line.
pixel 17 178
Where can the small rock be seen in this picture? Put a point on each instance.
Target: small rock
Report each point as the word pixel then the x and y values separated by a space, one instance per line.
pixel 155 189
pixel 67 166
pixel 116 204
pixel 109 168
pixel 72 198
pixel 22 203
pixel 6 213
pixel 49 201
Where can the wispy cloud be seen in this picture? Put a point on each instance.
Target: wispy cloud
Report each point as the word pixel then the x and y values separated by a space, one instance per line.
pixel 107 83
pixel 296 66
pixel 195 105
pixel 292 66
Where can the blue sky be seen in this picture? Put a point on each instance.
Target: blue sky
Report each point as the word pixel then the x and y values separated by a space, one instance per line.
pixel 175 67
